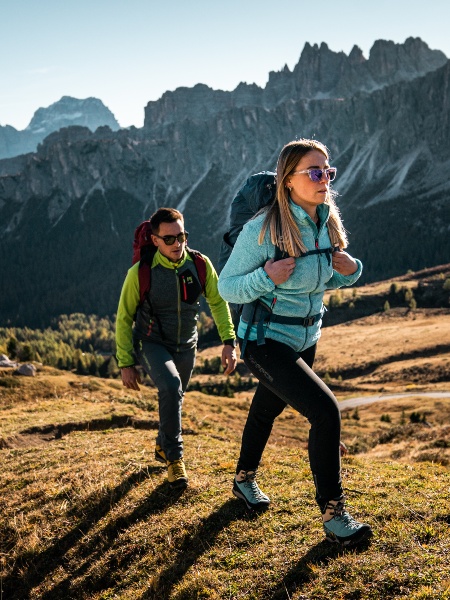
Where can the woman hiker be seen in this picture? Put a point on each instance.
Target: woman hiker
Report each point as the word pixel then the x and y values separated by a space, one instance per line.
pixel 280 324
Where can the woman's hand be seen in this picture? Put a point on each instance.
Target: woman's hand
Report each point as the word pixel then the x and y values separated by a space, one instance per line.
pixel 343 263
pixel 281 270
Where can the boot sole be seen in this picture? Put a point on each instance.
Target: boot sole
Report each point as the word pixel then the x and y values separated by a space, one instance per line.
pixel 355 540
pixel 179 484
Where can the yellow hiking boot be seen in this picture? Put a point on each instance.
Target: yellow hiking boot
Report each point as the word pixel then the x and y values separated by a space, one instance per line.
pixel 177 473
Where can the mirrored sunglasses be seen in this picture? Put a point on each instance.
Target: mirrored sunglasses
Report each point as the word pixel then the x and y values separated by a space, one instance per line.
pixel 317 175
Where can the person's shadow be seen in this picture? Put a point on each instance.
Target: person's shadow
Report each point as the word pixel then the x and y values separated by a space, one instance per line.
pixel 301 573
pixel 193 545
pixel 31 570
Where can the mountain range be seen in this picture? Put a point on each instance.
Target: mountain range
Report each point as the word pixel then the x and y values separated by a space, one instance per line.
pixel 68 211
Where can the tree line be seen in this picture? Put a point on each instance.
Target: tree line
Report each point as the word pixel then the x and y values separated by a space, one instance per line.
pixel 76 342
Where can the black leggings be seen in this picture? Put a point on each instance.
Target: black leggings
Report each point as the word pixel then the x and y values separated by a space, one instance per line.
pixel 285 377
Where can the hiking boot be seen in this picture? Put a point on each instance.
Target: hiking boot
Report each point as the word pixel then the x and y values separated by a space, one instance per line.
pixel 160 455
pixel 177 473
pixel 247 490
pixel 342 528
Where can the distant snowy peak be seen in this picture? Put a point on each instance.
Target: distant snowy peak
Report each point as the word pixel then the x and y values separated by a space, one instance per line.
pixel 90 112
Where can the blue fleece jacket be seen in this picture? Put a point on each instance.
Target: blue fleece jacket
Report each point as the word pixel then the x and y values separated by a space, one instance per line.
pixel 243 279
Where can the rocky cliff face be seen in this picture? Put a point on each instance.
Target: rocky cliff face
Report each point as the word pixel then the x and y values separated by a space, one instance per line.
pixel 67 216
pixel 90 112
pixel 319 74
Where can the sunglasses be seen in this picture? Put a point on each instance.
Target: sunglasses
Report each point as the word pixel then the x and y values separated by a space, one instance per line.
pixel 317 175
pixel 169 240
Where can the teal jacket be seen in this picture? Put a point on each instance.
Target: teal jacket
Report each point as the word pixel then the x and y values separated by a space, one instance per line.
pixel 170 315
pixel 243 279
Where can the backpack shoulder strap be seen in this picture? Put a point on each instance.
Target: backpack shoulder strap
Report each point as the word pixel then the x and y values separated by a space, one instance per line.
pixel 145 273
pixel 200 265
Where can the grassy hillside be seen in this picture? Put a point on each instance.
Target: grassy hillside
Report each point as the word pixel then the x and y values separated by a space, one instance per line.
pixel 428 288
pixel 86 513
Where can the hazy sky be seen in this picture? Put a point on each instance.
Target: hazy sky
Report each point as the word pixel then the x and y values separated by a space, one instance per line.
pixel 129 52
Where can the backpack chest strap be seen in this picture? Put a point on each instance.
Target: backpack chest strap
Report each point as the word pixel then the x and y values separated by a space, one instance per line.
pixel 327 251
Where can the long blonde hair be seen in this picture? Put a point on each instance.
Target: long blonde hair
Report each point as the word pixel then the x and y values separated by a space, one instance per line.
pixel 284 231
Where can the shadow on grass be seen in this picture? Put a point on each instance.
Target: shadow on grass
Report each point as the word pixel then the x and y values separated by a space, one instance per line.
pixel 193 545
pixel 301 573
pixel 85 581
pixel 31 569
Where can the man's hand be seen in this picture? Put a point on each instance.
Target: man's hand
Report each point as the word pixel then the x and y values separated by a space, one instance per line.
pixel 130 378
pixel 279 271
pixel 343 263
pixel 229 360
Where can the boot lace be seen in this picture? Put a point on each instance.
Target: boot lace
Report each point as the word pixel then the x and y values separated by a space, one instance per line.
pixel 338 511
pixel 250 483
pixel 178 468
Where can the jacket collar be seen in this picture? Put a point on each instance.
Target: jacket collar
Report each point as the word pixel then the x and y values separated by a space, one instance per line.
pixel 168 264
pixel 323 210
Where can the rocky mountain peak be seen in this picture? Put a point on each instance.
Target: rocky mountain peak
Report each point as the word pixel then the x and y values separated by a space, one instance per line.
pixel 67 112
pixel 89 112
pixel 319 73
pixel 356 56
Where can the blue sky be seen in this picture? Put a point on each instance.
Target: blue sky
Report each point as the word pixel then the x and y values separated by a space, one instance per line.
pixel 129 52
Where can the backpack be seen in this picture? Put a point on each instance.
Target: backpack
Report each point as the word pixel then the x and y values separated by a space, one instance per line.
pixel 257 192
pixel 144 250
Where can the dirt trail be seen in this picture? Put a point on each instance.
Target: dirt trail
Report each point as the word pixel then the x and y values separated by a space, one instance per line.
pixel 362 400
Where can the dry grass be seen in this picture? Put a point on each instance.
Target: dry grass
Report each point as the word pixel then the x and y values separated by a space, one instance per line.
pixel 87 514
pixel 389 350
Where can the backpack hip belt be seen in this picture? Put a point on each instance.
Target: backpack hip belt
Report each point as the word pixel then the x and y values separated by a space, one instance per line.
pixel 258 312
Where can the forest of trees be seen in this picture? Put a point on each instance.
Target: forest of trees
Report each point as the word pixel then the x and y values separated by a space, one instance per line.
pixel 76 342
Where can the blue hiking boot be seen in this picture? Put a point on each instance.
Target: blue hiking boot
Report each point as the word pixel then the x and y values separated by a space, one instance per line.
pixel 246 488
pixel 342 528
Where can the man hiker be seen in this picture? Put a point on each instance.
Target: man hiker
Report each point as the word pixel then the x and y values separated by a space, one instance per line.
pixel 164 337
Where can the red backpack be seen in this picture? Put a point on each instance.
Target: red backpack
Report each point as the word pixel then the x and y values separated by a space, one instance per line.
pixel 144 250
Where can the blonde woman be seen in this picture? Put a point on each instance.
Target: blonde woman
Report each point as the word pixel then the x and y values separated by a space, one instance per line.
pixel 281 319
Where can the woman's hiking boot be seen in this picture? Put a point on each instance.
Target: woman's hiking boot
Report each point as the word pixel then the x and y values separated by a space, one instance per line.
pixel 246 488
pixel 177 473
pixel 160 455
pixel 342 528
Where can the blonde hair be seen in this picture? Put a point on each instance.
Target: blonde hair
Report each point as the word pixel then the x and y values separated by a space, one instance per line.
pixel 284 231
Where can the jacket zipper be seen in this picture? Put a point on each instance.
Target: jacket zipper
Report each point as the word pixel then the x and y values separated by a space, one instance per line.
pixel 319 264
pixel 319 273
pixel 179 309
pixel 183 280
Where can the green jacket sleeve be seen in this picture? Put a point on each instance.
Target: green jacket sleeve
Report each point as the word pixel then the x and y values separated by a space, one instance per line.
pixel 128 303
pixel 219 308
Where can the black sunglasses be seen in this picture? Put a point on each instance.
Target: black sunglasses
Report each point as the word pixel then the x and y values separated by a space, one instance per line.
pixel 169 240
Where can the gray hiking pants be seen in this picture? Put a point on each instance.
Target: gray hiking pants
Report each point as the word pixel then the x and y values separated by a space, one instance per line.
pixel 170 372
